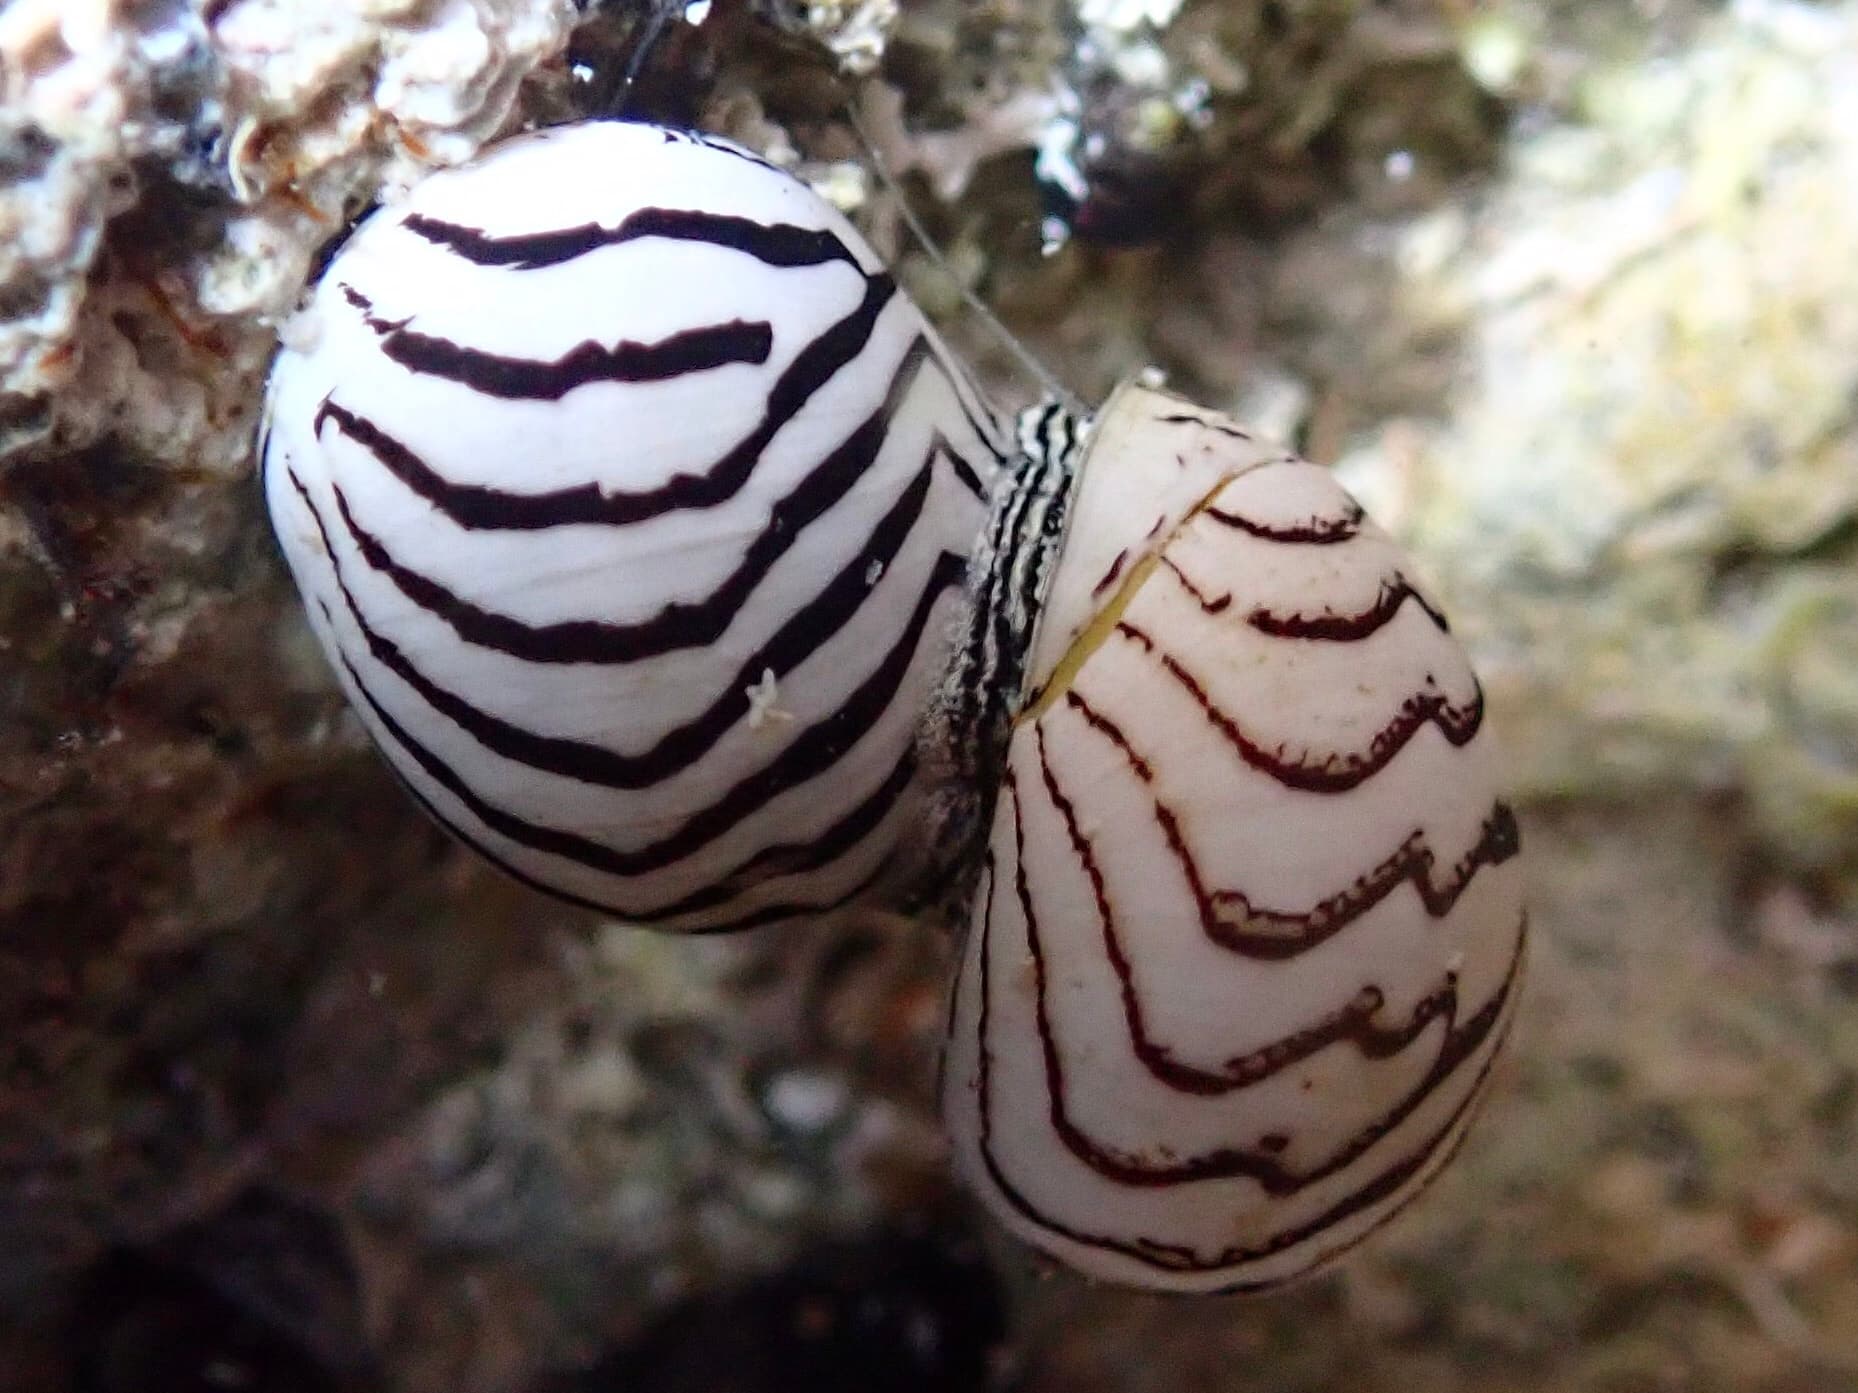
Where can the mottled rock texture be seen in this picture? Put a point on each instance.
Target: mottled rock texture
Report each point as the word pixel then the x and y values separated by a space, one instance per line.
pixel 1564 289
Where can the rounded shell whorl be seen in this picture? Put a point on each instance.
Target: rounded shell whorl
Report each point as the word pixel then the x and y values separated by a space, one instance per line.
pixel 1249 928
pixel 631 501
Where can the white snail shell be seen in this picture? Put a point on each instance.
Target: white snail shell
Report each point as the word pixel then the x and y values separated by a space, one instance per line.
pixel 1249 929
pixel 631 502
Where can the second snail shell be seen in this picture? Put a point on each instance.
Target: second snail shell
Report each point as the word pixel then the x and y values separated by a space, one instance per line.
pixel 1249 930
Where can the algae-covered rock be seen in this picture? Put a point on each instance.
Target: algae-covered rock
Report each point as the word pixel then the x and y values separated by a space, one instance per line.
pixel 1566 290
pixel 1646 493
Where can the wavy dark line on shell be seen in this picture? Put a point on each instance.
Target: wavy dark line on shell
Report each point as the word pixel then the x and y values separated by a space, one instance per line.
pixel 965 472
pixel 1184 418
pixel 1317 531
pixel 479 507
pixel 819 850
pixel 1209 603
pixel 781 245
pixel 1342 770
pixel 1292 933
pixel 702 349
pixel 1226 1163
pixel 1354 1023
pixel 983 425
pixel 690 135
pixel 840 838
pixel 805 632
pixel 811 753
pixel 772 244
pixel 1296 931
pixel 753 919
pixel 1176 1258
pixel 681 624
pixel 1395 590
pixel 811 369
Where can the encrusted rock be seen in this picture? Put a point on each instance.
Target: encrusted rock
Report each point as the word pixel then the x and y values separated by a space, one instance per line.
pixel 234 141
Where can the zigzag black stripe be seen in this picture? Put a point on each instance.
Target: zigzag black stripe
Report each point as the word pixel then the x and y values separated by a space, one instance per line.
pixel 766 914
pixel 550 379
pixel 772 244
pixel 794 642
pixel 813 752
pixel 682 624
pixel 792 858
pixel 478 507
pixel 812 368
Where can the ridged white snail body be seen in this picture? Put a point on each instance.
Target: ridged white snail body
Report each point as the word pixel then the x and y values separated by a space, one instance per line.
pixel 1249 927
pixel 631 502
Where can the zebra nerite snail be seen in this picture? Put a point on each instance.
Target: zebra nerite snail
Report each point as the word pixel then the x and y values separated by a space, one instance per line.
pixel 1249 927
pixel 632 503
pixel 675 566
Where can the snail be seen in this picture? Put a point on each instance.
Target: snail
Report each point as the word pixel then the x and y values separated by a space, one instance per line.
pixel 676 566
pixel 631 502
pixel 1249 930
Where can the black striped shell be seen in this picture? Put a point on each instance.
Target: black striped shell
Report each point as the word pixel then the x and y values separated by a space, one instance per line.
pixel 634 506
pixel 1249 926
pixel 631 501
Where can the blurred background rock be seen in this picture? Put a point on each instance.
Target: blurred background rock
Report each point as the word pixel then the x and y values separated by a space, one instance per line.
pixel 1568 292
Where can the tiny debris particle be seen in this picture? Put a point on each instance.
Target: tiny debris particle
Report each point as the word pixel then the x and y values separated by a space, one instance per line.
pixel 762 695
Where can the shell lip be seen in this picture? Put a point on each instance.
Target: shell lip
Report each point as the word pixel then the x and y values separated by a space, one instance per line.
pixel 1134 404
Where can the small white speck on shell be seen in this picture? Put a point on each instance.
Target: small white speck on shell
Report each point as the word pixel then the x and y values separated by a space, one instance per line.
pixel 762 695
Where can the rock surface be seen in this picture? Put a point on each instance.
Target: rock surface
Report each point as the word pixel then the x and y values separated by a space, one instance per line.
pixel 1565 292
